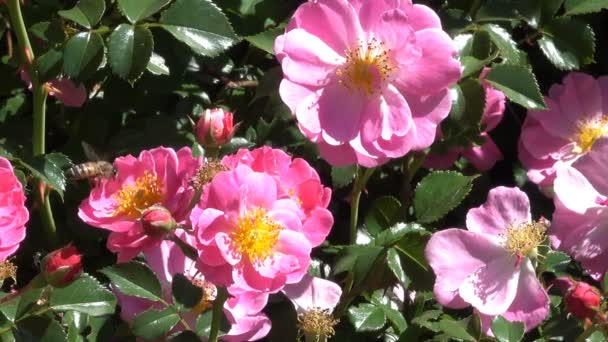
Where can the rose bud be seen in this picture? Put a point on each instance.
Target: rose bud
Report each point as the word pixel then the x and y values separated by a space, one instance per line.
pixel 215 127
pixel 583 300
pixel 62 266
pixel 157 221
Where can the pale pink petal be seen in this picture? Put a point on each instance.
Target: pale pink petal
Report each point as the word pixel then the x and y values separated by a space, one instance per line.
pixel 428 112
pixel 505 207
pixel 593 164
pixel 574 190
pixel 312 292
pixel 339 114
pixel 485 156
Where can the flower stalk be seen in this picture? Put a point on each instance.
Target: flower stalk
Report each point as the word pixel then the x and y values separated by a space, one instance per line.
pixel 216 316
pixel 359 185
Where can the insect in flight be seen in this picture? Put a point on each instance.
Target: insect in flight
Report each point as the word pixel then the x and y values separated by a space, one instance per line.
pixel 95 169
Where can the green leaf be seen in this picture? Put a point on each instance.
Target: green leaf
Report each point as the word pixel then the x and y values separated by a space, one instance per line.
pixel 556 262
pixel 585 6
pixel 265 40
pixel 49 169
pixel 134 279
pixel 84 295
pixel 481 45
pixel 438 193
pixel 86 12
pixel 505 44
pixel 396 319
pixel 207 37
pixel 394 263
pixel 342 176
pixel 49 31
pixel 39 328
pixel 185 336
pixel 184 292
pixel 568 43
pixel 28 301
pixel 455 329
pixel 157 65
pixel 367 317
pixel 140 9
pixel 395 233
pixel 518 83
pixel 152 324
pixel 412 246
pixel 129 51
pixel 597 336
pixel 359 260
pixel 506 331
pixel 384 213
pixel 49 64
pixel 83 54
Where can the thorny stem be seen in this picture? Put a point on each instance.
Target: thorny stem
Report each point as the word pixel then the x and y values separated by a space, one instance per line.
pixel 358 186
pixel 216 318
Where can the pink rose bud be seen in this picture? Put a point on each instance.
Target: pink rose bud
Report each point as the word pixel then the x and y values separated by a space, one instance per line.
pixel 157 220
pixel 583 300
pixel 215 127
pixel 62 266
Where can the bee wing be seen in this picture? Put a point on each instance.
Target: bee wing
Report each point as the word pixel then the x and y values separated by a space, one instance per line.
pixel 90 153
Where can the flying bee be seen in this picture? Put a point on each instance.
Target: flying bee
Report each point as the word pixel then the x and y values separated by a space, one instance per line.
pixel 95 169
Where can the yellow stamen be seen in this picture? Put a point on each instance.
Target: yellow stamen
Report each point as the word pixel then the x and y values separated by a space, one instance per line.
pixel 523 239
pixel 132 199
pixel 589 132
pixel 317 322
pixel 256 235
pixel 365 67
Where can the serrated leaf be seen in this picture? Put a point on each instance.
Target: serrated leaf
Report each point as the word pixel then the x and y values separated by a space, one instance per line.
pixel 129 51
pixel 395 318
pixel 506 331
pixel 367 317
pixel 83 54
pixel 574 7
pixel 359 260
pixel 134 279
pixel 39 328
pixel 440 192
pixel 505 44
pixel 184 292
pixel 207 37
pixel 568 43
pixel 152 324
pixel 48 31
pixel 556 262
pixel 342 176
pixel 185 336
pixel 49 169
pixel 455 329
pixel 86 12
pixel 265 40
pixel 518 83
pixel 383 213
pixel 85 295
pixel 140 9
pixel 395 233
pixel 394 264
pixel 157 65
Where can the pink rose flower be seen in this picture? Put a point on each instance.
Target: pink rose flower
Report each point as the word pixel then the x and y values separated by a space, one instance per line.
pixel 490 265
pixel 250 237
pixel 62 88
pixel 13 213
pixel 575 120
pixel 484 156
pixel 215 127
pixel 158 176
pixel 580 221
pixel 296 180
pixel 367 80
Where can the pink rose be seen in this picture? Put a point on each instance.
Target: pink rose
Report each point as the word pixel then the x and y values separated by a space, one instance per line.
pixel 215 127
pixel 13 213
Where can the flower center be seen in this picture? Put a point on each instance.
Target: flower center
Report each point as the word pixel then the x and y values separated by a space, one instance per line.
pixel 366 67
pixel 523 239
pixel 132 199
pixel 317 322
pixel 589 132
pixel 256 235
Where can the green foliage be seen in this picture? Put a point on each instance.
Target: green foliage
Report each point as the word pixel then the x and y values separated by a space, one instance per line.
pixel 506 331
pixel 129 50
pixel 83 55
pixel 136 11
pixel 84 295
pixel 134 279
pixel 342 176
pixel 86 12
pixel 152 324
pixel 440 192
pixel 518 83
pixel 367 317
pixel 574 7
pixel 568 43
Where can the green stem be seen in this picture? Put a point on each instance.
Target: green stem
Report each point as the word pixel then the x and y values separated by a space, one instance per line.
pixel 358 186
pixel 216 317
pixel 39 111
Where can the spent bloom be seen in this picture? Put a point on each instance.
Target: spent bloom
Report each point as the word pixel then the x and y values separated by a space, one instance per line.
pixel 490 266
pixel 250 237
pixel 580 221
pixel 367 80
pixel 64 89
pixel 296 180
pixel 13 213
pixel 485 155
pixel 157 177
pixel 576 118
pixel 62 266
pixel 215 127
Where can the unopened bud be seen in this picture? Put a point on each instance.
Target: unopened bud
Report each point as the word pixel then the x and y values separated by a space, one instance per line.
pixel 62 266
pixel 215 128
pixel 582 300
pixel 157 220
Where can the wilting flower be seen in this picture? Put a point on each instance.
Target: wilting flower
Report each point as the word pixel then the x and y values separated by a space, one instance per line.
pixel 580 221
pixel 215 127
pixel 250 237
pixel 575 120
pixel 62 88
pixel 484 156
pixel 62 266
pixel 296 180
pixel 157 177
pixel 13 213
pixel 366 80
pixel 315 300
pixel 490 266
